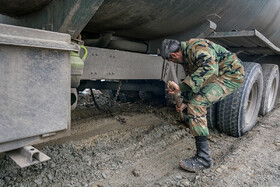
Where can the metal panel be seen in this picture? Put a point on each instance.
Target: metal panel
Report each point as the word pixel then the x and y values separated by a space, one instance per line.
pixel 21 36
pixel 34 91
pixel 252 42
pixel 66 16
pixel 114 64
pixel 16 144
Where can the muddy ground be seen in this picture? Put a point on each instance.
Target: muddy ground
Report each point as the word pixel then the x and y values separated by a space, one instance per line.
pixel 141 144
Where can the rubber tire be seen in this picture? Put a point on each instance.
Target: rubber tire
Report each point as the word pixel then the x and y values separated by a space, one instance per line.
pixel 74 98
pixel 212 116
pixel 231 111
pixel 271 83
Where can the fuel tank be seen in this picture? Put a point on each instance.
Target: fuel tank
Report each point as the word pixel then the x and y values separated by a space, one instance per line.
pixel 17 8
pixel 144 19
pixel 152 19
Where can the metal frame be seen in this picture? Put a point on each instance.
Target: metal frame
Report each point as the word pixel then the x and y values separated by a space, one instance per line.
pixel 257 40
pixel 249 45
pixel 111 64
pixel 26 37
pixel 128 85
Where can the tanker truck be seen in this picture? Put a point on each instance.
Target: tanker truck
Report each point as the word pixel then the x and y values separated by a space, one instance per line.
pixel 40 82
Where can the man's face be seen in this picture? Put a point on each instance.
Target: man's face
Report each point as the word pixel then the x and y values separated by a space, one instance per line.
pixel 177 57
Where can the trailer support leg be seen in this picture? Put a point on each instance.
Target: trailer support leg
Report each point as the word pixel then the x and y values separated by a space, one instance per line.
pixel 27 156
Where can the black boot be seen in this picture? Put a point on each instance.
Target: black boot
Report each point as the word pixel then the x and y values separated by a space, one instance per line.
pixel 202 159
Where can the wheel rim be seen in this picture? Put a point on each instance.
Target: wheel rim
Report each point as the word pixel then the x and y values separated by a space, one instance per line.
pixel 251 105
pixel 271 96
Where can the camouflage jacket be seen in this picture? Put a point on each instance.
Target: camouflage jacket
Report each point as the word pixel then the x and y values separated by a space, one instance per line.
pixel 205 61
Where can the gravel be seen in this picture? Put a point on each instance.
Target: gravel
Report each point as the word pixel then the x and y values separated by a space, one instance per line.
pixel 145 151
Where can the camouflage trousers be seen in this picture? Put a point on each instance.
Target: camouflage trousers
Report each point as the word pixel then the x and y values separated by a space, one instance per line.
pixel 198 103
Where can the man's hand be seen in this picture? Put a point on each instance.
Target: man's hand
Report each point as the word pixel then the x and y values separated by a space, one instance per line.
pixel 181 108
pixel 172 87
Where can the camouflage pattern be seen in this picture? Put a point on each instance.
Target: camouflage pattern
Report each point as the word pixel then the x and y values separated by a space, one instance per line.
pixel 212 73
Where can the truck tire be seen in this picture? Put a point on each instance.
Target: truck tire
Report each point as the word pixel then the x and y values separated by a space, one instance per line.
pixel 74 98
pixel 211 116
pixel 238 112
pixel 270 89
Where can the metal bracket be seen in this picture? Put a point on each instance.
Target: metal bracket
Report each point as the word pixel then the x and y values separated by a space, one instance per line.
pixel 202 30
pixel 249 45
pixel 210 27
pixel 170 72
pixel 27 156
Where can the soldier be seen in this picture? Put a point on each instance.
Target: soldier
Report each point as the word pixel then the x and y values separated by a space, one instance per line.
pixel 212 73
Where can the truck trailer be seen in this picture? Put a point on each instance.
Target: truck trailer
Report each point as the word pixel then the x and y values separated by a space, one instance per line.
pixel 40 80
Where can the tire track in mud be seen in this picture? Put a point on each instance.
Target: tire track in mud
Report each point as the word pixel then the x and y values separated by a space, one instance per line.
pixel 147 142
pixel 155 157
pixel 145 151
